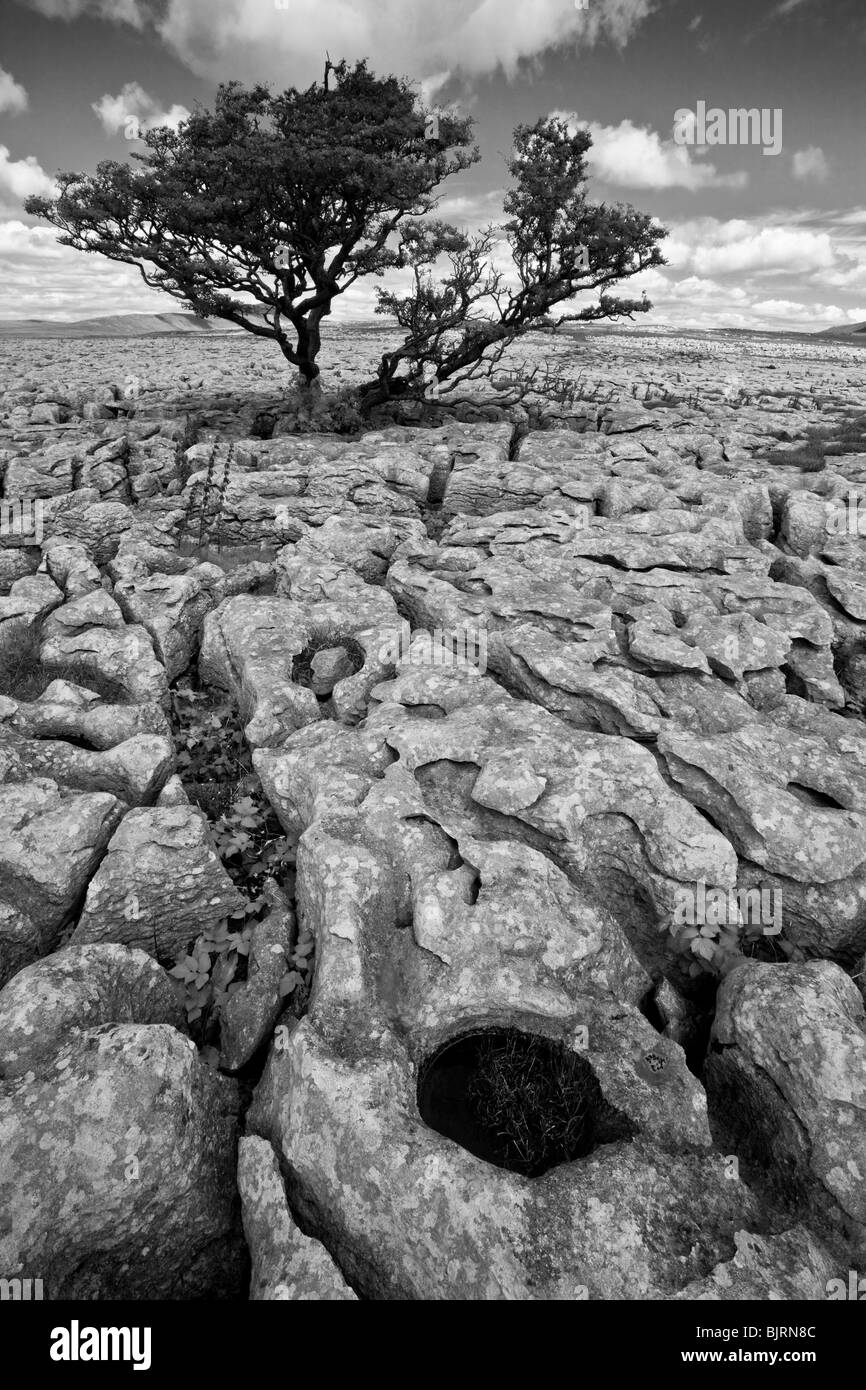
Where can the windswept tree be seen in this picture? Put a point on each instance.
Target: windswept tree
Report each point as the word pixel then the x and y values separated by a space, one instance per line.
pixel 506 281
pixel 264 210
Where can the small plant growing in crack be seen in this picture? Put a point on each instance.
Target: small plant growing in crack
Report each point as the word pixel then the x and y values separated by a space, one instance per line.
pixel 713 948
pixel 215 765
pixel 298 978
pixel 208 973
pixel 207 498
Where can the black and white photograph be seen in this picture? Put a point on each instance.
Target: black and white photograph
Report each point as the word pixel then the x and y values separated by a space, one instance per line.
pixel 432 674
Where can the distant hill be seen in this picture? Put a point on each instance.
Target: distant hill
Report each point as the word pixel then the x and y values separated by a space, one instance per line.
pixel 150 325
pixel 113 326
pixel 846 331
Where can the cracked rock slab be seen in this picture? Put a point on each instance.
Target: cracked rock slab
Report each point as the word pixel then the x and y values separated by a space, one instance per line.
pixel 286 1264
pixel 53 1001
pixel 118 1161
pixel 160 885
pixel 786 1078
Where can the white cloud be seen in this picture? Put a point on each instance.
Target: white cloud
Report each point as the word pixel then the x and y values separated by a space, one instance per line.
pixel 12 95
pixel 21 177
pixel 718 274
pixel 811 163
pixel 133 103
pixel 255 40
pixel 122 11
pixel 41 279
pixel 790 313
pixel 787 7
pixel 636 157
pixel 738 247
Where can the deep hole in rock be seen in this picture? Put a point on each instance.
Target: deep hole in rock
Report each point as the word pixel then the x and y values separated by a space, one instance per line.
pixel 425 711
pixel 330 640
pixel 794 684
pixel 517 1100
pixel 810 796
pixel 263 425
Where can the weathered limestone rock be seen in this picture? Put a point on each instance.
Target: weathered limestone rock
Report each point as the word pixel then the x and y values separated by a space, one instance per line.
pixel 666 690
pixel 286 1263
pixel 47 473
pixel 20 941
pixel 409 1214
pixel 298 489
pixel 28 602
pixel 118 1161
pixel 159 886
pixel 250 645
pixel 791 1266
pixel 794 805
pixel 14 565
pixel 364 542
pixel 120 658
pixel 171 608
pixel 95 608
pixel 786 1077
pixel 133 770
pixel 81 516
pixel 249 1014
pixel 50 842
pixel 445 896
pixel 55 1000
pixel 64 710
pixel 70 566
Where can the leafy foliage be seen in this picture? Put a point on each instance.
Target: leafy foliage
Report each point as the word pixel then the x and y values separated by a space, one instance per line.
pixel 208 970
pixel 714 948
pixel 298 977
pixel 214 763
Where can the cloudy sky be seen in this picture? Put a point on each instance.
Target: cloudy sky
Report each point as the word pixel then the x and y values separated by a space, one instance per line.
pixel 756 240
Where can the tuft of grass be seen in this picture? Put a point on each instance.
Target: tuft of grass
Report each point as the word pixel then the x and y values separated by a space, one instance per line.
pixel 21 673
pixel 24 678
pixel 541 1101
pixel 809 457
